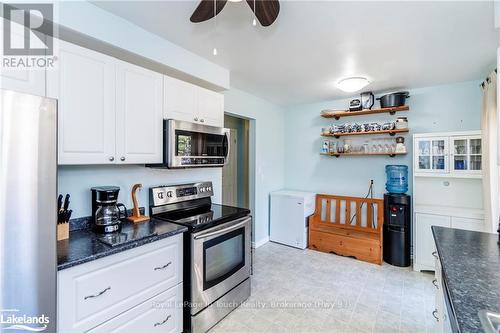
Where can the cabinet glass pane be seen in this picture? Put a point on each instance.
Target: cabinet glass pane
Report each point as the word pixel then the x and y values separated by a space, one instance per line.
pixel 475 146
pixel 424 148
pixel 424 162
pixel 438 147
pixel 475 162
pixel 460 162
pixel 460 147
pixel 438 162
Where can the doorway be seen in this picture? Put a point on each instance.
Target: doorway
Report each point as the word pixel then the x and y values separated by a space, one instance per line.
pixel 235 174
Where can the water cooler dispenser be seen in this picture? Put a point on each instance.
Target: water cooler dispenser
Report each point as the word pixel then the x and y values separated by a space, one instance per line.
pixel 397 217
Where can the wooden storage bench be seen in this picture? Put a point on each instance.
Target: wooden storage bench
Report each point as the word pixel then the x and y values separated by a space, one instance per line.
pixel 348 226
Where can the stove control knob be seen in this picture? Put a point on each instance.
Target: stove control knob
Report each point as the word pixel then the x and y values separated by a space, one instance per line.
pixel 209 188
pixel 170 194
pixel 202 189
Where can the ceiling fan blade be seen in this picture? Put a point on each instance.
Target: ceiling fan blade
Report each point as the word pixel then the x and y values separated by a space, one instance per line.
pixel 205 10
pixel 266 11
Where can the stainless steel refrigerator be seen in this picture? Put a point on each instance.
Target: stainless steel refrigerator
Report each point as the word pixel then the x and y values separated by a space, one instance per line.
pixel 28 190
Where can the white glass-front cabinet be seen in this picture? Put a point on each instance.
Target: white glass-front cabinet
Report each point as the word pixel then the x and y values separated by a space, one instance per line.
pixel 432 154
pixel 458 154
pixel 466 154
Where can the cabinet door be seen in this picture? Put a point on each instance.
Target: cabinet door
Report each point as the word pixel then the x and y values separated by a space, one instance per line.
pixel 179 100
pixel 210 107
pixel 431 155
pixel 84 85
pixel 424 241
pixel 139 109
pixel 29 81
pixel 467 223
pixel 466 154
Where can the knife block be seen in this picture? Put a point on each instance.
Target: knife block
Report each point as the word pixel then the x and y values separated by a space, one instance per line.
pixel 62 231
pixel 136 213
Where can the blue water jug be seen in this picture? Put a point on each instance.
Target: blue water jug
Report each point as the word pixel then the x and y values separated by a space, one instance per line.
pixel 397 178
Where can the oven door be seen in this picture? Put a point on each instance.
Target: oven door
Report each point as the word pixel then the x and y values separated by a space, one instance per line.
pixel 192 145
pixel 220 261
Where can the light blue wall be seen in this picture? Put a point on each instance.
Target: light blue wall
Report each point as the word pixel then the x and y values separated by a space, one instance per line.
pixel 454 107
pixel 77 181
pixel 267 169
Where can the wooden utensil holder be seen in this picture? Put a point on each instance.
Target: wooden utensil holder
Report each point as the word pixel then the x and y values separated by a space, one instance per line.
pixel 136 213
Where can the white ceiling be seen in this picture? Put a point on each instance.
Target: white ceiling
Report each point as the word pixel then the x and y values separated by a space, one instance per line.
pixel 313 44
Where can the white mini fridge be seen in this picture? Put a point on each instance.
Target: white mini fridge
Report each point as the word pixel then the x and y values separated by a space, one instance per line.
pixel 290 211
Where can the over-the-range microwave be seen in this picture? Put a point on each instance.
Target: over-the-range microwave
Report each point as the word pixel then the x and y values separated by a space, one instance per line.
pixel 190 145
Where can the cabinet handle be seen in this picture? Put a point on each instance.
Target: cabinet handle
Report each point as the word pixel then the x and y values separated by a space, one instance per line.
pixel 111 158
pixel 97 295
pixel 122 158
pixel 434 282
pixel 435 254
pixel 434 314
pixel 163 267
pixel 202 120
pixel 163 322
pixel 195 118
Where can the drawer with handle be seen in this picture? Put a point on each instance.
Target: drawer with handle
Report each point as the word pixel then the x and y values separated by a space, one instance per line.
pixel 162 314
pixel 94 292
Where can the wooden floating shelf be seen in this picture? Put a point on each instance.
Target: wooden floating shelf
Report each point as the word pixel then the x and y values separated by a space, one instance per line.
pixel 390 132
pixel 362 154
pixel 337 114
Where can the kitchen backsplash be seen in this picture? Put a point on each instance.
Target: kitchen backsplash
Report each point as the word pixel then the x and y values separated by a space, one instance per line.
pixel 77 181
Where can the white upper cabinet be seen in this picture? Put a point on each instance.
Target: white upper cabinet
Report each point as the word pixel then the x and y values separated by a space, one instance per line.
pixel 110 111
pixel 210 107
pixel 188 102
pixel 454 154
pixel 139 114
pixel 466 154
pixel 84 85
pixel 180 100
pixel 29 80
pixel 432 154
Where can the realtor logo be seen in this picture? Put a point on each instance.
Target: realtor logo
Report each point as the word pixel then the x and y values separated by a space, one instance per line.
pixel 28 36
pixel 33 33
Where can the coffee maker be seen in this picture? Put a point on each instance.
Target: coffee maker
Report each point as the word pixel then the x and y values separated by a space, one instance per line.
pixel 106 213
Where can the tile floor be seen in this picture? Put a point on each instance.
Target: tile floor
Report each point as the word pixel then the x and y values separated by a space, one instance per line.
pixel 309 291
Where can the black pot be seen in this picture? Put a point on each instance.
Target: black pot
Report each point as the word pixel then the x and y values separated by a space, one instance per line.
pixel 394 100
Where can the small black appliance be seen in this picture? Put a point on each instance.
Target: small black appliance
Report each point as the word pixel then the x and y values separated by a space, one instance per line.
pixel 106 213
pixel 397 228
pixel 355 105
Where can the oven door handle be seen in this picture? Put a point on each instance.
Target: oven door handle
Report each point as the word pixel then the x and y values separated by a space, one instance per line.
pixel 221 231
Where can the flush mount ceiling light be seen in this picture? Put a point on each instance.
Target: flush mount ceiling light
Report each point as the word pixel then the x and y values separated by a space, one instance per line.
pixel 352 84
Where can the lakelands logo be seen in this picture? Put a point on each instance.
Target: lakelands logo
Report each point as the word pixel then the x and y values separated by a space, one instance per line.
pixel 28 31
pixel 11 319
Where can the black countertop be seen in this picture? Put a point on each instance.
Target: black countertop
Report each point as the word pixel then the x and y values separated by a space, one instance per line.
pixel 83 245
pixel 471 270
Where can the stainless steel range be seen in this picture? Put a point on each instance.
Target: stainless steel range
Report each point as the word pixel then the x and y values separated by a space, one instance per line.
pixel 217 253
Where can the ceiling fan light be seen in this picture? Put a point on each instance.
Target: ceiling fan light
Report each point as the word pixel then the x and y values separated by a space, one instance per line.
pixel 353 84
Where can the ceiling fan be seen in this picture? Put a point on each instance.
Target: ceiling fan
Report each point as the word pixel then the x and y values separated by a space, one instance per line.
pixel 266 11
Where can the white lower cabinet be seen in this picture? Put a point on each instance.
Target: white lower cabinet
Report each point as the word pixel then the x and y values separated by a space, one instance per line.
pixel 98 292
pixel 162 313
pixel 424 241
